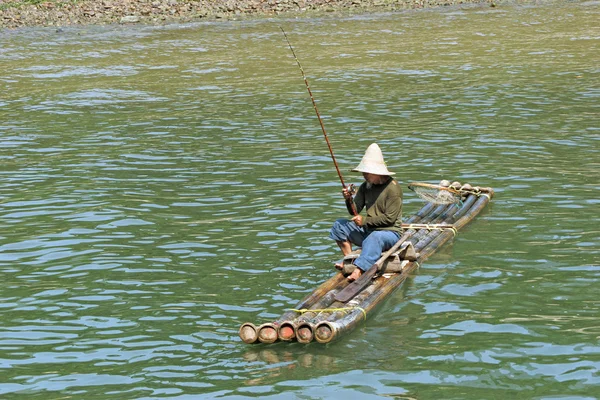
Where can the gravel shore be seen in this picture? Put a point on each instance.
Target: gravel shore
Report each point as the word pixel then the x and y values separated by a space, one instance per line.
pixel 14 14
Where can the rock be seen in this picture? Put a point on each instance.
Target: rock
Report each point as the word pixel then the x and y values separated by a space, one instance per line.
pixel 130 19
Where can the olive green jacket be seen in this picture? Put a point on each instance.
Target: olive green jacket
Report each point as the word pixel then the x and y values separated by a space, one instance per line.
pixel 383 204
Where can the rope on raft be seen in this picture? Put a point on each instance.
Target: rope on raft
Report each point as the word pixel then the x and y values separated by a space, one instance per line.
pixel 343 309
pixel 431 227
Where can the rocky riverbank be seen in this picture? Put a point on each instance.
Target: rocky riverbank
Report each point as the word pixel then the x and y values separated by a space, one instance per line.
pixel 14 14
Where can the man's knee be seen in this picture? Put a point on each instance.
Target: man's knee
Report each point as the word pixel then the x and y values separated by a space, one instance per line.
pixel 381 239
pixel 339 231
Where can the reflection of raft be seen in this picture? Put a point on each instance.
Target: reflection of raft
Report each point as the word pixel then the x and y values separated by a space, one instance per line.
pixel 320 317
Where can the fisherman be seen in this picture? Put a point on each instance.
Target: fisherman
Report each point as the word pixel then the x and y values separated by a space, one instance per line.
pixel 381 195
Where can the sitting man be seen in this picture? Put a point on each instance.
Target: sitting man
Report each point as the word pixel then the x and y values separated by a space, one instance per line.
pixel 381 195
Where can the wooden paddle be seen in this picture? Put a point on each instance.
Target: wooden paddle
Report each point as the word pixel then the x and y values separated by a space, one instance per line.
pixel 355 287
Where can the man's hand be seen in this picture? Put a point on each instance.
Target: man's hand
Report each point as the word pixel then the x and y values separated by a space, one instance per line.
pixel 358 220
pixel 347 194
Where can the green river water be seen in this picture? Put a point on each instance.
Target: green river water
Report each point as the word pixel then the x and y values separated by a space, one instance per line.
pixel 159 186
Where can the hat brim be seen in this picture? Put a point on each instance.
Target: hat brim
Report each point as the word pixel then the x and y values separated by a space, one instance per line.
pixel 374 171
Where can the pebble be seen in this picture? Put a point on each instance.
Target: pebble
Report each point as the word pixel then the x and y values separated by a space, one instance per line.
pixel 130 19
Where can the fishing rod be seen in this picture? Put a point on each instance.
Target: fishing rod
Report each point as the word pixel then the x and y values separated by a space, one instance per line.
pixel 337 168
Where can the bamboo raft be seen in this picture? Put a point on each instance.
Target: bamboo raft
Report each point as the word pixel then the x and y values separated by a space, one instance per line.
pixel 320 317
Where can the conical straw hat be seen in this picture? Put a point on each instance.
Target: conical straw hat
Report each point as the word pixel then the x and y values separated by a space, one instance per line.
pixel 372 162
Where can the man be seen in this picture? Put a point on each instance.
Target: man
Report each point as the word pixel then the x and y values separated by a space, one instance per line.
pixel 381 195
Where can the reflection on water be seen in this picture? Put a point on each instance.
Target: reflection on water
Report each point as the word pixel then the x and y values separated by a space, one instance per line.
pixel 162 185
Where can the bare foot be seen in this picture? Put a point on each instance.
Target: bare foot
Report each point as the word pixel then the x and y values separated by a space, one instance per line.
pixel 339 265
pixel 355 274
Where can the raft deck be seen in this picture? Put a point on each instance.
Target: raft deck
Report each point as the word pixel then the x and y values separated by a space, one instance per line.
pixel 320 317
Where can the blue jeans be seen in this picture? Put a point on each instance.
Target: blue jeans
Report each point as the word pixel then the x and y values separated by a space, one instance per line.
pixel 373 243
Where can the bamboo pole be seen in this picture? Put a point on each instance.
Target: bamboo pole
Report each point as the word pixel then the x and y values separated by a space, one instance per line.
pixel 248 333
pixel 289 329
pixel 269 332
pixel 450 219
pixel 437 242
pixel 445 210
